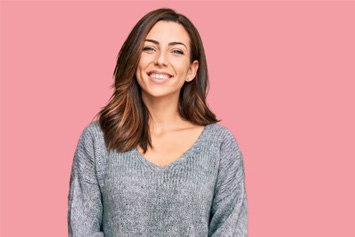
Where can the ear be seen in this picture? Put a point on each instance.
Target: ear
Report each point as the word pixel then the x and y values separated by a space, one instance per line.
pixel 192 71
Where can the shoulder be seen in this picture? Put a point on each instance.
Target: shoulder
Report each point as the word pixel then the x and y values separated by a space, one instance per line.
pixel 221 133
pixel 227 142
pixel 92 129
pixel 92 136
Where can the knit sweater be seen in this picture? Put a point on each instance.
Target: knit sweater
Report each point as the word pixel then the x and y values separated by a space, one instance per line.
pixel 116 194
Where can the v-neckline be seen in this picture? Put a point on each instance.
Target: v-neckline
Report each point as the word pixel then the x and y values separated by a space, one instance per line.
pixel 180 159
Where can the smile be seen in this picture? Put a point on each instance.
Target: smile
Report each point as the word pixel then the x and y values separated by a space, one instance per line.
pixel 159 76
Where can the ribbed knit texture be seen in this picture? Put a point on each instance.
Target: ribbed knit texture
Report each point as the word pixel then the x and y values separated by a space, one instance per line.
pixel 123 194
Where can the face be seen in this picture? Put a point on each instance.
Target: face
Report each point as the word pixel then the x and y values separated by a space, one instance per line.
pixel 165 65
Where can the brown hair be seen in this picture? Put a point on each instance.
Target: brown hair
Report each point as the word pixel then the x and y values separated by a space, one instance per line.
pixel 124 120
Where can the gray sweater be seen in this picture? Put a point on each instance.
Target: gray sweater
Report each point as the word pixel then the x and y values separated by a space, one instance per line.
pixel 122 194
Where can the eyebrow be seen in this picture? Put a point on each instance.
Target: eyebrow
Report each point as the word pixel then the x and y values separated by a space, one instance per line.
pixel 171 43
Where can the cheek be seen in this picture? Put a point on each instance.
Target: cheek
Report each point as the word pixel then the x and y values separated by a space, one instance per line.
pixel 139 79
pixel 139 75
pixel 145 60
pixel 141 67
pixel 182 69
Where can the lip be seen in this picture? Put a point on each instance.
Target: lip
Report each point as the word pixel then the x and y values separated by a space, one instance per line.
pixel 159 81
pixel 159 72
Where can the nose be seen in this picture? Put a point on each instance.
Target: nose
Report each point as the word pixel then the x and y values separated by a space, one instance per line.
pixel 161 59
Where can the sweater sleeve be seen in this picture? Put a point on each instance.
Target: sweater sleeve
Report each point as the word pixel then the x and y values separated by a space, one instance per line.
pixel 229 214
pixel 84 198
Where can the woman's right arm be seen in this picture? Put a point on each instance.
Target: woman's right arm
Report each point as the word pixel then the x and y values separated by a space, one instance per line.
pixel 84 198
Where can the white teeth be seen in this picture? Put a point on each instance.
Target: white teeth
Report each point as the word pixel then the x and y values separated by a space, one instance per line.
pixel 159 76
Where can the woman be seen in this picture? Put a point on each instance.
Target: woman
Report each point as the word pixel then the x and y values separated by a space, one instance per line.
pixel 156 163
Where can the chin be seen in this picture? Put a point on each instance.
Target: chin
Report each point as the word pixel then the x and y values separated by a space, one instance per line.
pixel 158 94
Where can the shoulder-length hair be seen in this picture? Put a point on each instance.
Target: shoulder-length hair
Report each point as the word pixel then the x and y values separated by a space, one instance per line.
pixel 124 120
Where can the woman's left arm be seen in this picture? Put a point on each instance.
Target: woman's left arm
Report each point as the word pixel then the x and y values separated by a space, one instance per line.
pixel 229 213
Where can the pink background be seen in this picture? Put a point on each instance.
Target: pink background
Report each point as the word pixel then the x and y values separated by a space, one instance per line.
pixel 282 79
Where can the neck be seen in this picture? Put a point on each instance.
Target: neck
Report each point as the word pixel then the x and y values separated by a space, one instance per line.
pixel 164 115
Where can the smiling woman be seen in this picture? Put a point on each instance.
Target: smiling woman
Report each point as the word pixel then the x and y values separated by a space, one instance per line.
pixel 164 65
pixel 156 162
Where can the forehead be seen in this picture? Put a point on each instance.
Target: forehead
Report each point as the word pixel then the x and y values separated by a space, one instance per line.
pixel 165 32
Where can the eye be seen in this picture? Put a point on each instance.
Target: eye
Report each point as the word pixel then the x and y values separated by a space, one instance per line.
pixel 148 49
pixel 178 51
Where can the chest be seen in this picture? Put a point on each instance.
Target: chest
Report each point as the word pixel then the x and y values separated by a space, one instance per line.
pixel 168 148
pixel 136 196
pixel 130 182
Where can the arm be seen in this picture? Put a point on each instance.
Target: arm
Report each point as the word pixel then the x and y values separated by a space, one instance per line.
pixel 84 199
pixel 229 214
